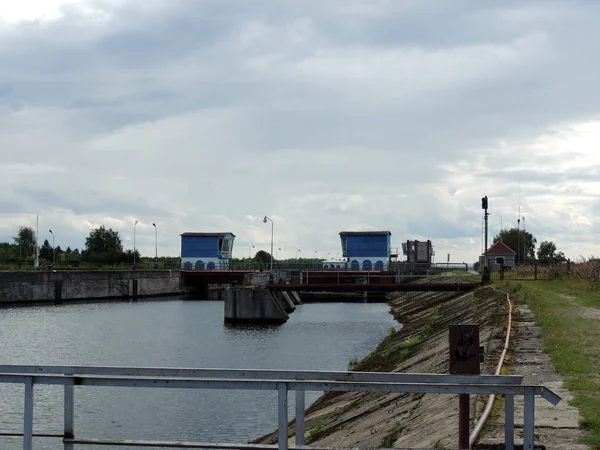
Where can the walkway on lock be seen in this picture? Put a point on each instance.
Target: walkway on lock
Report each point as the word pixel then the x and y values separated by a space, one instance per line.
pixel 332 280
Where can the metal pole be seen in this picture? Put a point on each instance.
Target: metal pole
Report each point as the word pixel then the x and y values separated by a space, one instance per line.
pixel 28 415
pixel 486 272
pixel 464 415
pixel 36 259
pixel 271 246
pixel 519 238
pixel 282 417
pixel 299 418
pixel 155 246
pixel 69 412
pixel 135 223
pixel 528 418
pixel 265 221
pixel 53 253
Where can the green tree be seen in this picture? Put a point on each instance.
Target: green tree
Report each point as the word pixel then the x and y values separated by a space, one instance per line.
pixel 25 238
pixel 264 258
pixel 104 245
pixel 546 251
pixel 514 238
pixel 46 251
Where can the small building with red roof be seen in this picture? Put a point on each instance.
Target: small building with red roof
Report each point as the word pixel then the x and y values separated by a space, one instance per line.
pixel 498 254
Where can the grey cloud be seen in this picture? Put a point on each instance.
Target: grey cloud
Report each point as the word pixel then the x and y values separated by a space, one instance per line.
pixel 227 108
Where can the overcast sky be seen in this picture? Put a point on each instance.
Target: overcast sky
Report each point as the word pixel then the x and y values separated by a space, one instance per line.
pixel 205 115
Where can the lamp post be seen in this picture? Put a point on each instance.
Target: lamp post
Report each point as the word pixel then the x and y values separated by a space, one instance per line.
pixel 155 246
pixel 134 224
pixel 524 239
pixel 265 221
pixel 277 256
pixel 249 250
pixel 53 253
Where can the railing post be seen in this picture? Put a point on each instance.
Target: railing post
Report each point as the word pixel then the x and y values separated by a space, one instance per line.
pixel 299 417
pixel 28 415
pixel 69 411
pixel 509 422
pixel 282 416
pixel 463 421
pixel 528 418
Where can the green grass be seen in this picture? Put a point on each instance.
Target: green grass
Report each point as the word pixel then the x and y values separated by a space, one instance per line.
pixel 568 312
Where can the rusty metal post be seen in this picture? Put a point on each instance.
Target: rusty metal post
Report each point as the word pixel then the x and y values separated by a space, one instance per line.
pixel 464 415
pixel 465 357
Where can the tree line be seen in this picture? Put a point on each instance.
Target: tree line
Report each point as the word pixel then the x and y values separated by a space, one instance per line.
pixel 101 246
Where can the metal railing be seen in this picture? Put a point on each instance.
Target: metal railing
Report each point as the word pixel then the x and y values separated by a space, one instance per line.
pixel 281 381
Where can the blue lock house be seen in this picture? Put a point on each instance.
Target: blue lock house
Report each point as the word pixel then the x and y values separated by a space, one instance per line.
pixel 206 251
pixel 366 250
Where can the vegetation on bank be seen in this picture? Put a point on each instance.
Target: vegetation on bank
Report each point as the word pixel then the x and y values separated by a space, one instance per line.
pixel 568 311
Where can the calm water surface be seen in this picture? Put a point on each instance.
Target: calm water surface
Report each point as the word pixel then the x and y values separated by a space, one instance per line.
pixel 169 333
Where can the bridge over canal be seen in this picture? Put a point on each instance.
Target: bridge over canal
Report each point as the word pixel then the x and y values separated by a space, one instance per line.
pixel 331 280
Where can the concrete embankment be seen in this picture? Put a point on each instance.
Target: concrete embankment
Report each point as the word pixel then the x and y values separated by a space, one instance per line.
pixel 24 287
pixel 421 346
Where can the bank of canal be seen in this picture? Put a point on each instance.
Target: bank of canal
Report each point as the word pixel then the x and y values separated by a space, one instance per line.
pixel 421 346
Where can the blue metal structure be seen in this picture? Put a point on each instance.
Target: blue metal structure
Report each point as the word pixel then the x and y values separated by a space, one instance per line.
pixel 367 250
pixel 206 251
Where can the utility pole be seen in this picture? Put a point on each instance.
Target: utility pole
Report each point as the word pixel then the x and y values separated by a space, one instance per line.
pixel 36 258
pixel 486 273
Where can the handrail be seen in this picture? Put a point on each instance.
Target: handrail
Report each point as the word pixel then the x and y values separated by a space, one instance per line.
pixel 262 374
pixel 281 381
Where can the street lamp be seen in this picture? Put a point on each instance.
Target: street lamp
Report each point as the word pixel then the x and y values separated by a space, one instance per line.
pixel 135 223
pixel 155 246
pixel 277 257
pixel 53 254
pixel 265 221
pixel 249 250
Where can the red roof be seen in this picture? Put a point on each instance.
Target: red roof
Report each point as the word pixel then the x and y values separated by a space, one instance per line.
pixel 500 248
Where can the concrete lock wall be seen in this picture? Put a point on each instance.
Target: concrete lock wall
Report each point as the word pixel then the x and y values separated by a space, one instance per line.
pixel 77 285
pixel 253 305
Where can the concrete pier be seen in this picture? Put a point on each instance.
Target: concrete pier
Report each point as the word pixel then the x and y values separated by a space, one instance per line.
pixel 285 301
pixel 253 305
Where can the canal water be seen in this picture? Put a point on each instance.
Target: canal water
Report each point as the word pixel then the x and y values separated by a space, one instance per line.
pixel 172 333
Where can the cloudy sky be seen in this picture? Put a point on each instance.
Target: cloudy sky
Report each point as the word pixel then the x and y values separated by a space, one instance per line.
pixel 325 115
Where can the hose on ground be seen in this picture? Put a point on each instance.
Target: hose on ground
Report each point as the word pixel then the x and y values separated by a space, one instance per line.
pixel 488 408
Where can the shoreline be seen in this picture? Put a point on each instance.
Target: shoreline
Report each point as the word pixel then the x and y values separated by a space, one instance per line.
pixel 419 346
